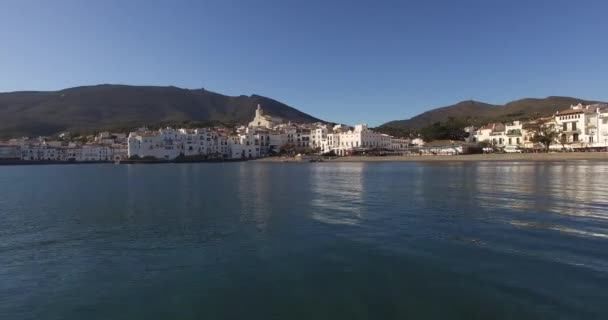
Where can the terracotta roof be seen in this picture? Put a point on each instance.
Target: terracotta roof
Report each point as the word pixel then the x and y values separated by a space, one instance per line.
pixel 570 111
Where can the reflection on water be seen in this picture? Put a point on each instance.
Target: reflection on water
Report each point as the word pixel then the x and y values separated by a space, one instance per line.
pixel 562 188
pixel 337 193
pixel 255 194
pixel 558 228
pixel 305 240
pixel 546 195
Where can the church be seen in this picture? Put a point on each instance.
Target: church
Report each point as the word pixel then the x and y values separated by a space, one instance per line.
pixel 262 120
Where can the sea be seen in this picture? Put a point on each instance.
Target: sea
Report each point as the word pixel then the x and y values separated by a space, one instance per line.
pixel 253 240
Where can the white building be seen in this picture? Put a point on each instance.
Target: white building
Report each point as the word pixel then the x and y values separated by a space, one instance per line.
pixel 572 125
pixel 515 134
pixel 360 138
pixel 10 152
pixel 318 134
pixel 493 133
pixel 583 126
pixel 399 144
pixel 578 127
pixel 95 152
pixel 39 152
pixel 169 144
pixel 163 144
pixel 417 142
pixel 262 120
pixel 245 145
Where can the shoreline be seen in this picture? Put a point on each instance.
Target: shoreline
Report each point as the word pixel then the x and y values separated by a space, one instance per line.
pixel 513 157
pixel 504 157
pixel 122 162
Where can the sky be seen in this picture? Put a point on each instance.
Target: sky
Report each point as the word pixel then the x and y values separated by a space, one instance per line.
pixel 342 61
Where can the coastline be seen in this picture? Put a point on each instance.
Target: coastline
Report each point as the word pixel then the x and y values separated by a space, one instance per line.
pixel 122 162
pixel 505 157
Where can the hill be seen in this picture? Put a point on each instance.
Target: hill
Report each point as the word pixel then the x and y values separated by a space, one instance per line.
pixel 106 107
pixel 476 113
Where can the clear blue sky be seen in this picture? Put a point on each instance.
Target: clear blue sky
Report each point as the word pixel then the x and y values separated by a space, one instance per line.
pixel 343 61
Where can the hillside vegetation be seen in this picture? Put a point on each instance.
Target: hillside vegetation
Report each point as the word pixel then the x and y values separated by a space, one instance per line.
pixel 479 113
pixel 106 107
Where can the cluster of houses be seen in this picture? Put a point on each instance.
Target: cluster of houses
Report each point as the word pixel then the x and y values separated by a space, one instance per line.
pixel 580 127
pixel 263 136
pixel 105 147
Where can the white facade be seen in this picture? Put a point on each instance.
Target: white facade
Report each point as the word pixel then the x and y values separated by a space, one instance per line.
pixel 169 144
pixel 318 135
pixel 262 120
pixel 95 153
pixel 417 142
pixel 400 144
pixel 515 134
pixel 10 152
pixel 358 139
pixel 164 144
pixel 245 145
pixel 578 127
pixel 39 152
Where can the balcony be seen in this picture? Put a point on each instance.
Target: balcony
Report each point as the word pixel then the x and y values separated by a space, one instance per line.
pixel 571 131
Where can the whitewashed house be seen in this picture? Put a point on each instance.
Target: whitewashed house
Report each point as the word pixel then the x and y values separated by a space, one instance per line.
pixel 164 144
pixel 38 152
pixel 10 152
pixel 515 134
pixel 493 133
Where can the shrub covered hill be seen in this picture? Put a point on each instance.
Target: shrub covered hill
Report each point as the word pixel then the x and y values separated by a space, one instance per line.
pixel 120 107
pixel 479 113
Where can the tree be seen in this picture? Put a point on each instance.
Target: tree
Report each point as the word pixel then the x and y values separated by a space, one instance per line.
pixel 452 129
pixel 544 133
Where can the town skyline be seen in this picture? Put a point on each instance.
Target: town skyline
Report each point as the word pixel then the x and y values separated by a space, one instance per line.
pixel 579 128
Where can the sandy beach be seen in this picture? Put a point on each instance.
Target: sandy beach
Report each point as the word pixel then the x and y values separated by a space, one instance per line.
pixel 571 156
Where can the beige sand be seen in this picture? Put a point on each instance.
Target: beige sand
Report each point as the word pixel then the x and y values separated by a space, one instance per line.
pixel 570 156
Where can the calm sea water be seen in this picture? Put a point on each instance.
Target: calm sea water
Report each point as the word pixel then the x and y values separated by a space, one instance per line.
pixel 305 241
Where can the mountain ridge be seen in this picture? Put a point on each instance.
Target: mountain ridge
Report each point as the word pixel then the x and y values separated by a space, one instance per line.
pixel 477 112
pixel 107 106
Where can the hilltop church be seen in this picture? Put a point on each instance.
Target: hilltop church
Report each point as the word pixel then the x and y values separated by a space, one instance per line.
pixel 262 120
